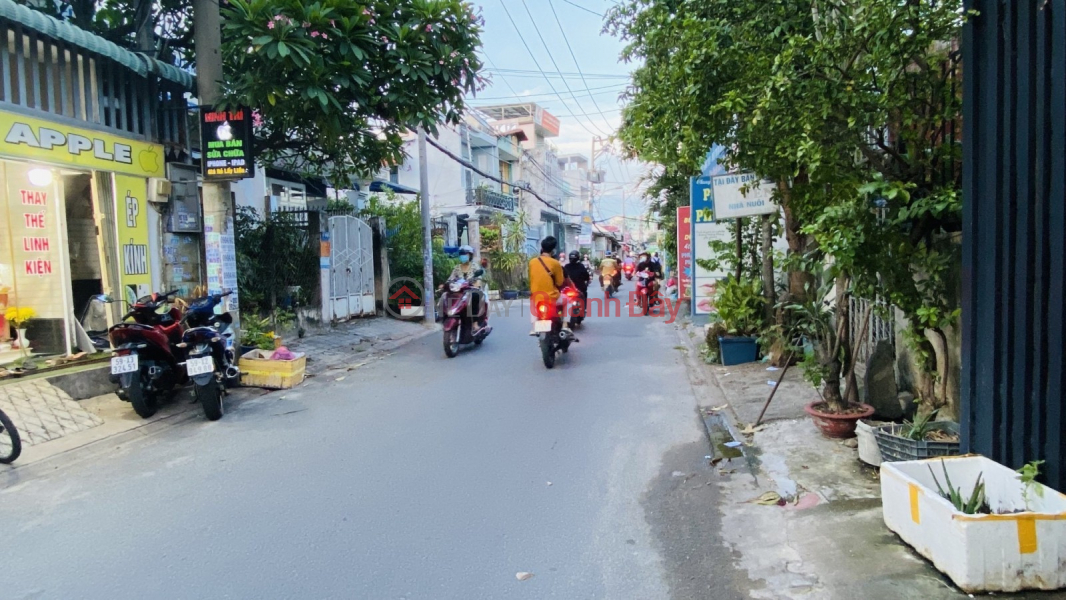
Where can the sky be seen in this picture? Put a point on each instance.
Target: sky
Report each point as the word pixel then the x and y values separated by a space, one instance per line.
pixel 582 93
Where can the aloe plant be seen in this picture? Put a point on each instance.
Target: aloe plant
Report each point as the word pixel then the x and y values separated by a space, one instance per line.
pixel 967 505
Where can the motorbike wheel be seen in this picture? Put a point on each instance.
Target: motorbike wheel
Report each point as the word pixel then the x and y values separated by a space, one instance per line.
pixel 647 305
pixel 451 343
pixel 547 352
pixel 10 443
pixel 210 398
pixel 143 402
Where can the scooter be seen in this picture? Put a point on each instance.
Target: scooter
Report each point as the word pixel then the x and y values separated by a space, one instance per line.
pixel 209 354
pixel 647 291
pixel 455 308
pixel 607 283
pixel 577 306
pixel 145 363
pixel 628 269
pixel 549 329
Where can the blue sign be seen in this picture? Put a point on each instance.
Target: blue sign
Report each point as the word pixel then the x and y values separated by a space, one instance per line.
pixel 701 199
pixel 712 164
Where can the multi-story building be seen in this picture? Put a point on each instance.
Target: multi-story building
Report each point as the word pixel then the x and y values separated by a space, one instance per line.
pixel 575 172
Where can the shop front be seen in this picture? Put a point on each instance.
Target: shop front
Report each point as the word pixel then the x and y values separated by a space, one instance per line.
pixel 75 222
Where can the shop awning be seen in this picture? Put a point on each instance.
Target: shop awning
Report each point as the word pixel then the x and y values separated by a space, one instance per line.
pixel 59 30
pixel 381 186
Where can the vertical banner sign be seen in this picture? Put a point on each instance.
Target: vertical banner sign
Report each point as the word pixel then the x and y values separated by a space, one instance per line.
pixel 704 231
pixel 131 216
pixel 585 238
pixel 684 251
pixel 226 143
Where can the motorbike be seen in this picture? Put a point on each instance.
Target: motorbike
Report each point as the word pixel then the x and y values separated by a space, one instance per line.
pixel 455 308
pixel 551 336
pixel 647 291
pixel 607 283
pixel 628 269
pixel 146 362
pixel 576 305
pixel 209 359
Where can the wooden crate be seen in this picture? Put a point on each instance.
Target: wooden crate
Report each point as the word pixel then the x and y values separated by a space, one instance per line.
pixel 257 370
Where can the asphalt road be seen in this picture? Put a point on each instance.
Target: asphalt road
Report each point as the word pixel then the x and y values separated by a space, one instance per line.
pixel 415 476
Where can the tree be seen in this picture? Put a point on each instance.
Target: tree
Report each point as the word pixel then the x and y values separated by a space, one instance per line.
pixel 849 107
pixel 335 83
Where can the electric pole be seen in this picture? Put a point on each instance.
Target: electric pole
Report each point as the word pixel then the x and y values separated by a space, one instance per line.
pixel 207 37
pixel 428 302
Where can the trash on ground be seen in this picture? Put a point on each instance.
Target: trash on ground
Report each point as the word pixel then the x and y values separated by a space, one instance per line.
pixel 752 429
pixel 771 382
pixel 772 369
pixel 768 499
pixel 522 575
pixel 720 408
pixel 732 444
pixel 282 353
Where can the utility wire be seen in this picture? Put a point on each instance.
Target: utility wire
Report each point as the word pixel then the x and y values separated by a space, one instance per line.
pixel 473 168
pixel 574 56
pixel 588 10
pixel 556 65
pixel 562 74
pixel 536 62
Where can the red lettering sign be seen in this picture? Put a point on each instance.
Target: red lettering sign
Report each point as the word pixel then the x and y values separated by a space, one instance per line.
pixel 38 267
pixel 34 220
pixel 33 197
pixel 684 251
pixel 36 244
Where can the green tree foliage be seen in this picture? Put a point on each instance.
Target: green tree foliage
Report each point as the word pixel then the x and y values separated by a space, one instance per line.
pixel 337 82
pixel 849 107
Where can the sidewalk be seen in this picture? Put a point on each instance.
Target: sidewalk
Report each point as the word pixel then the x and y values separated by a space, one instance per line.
pixel 52 425
pixel 828 539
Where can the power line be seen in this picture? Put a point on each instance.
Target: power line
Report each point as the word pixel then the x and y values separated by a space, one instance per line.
pixel 507 83
pixel 574 56
pixel 471 166
pixel 600 91
pixel 535 61
pixel 555 64
pixel 588 10
pixel 562 74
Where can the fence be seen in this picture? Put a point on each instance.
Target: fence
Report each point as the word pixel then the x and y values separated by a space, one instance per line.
pixel 866 334
pixel 278 261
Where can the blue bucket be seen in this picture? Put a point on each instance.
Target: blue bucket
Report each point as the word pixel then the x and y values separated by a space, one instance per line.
pixel 738 350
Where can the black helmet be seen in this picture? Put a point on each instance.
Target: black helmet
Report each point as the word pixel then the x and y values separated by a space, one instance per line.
pixel 575 256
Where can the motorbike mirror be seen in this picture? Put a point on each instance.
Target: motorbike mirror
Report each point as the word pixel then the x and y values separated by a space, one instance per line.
pixel 479 272
pixel 103 298
pixel 226 318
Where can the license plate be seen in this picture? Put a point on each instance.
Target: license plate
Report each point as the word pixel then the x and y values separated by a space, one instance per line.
pixel 124 364
pixel 199 366
pixel 543 326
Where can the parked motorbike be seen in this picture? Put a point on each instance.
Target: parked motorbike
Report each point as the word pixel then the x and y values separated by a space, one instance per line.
pixel 607 282
pixel 145 363
pixel 455 308
pixel 549 329
pixel 209 355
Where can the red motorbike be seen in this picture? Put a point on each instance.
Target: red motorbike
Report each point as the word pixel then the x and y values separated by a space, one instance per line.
pixel 457 308
pixel 146 362
pixel 628 269
pixel 647 291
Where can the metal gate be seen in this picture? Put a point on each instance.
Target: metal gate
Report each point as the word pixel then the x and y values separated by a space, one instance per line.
pixel 351 276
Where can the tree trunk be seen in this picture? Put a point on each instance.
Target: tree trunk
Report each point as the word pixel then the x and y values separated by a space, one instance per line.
pixel 740 248
pixel 939 385
pixel 831 393
pixel 797 244
pixel 768 289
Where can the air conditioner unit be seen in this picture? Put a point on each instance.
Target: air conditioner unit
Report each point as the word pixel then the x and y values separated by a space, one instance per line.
pixel 159 189
pixel 596 176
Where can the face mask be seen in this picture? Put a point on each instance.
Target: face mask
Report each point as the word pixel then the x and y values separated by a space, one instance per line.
pixel 464 259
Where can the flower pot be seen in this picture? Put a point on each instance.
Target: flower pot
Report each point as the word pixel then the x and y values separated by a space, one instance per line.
pixel 1017 547
pixel 738 350
pixel 869 452
pixel 894 447
pixel 833 425
pixel 510 294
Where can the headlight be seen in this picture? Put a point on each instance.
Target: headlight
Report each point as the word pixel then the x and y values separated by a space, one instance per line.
pixel 456 286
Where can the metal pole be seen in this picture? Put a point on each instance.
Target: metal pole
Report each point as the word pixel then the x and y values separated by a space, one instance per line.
pixel 429 304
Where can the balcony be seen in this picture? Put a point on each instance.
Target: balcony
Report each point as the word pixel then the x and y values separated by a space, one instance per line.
pixel 509 150
pixel 489 197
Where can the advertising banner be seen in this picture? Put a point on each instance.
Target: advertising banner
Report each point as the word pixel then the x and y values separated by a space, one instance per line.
pixel 742 195
pixel 131 217
pixel 705 229
pixel 226 136
pixel 684 251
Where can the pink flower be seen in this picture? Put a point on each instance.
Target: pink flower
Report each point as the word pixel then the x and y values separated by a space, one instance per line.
pixel 279 18
pixel 257 118
pixel 429 28
pixel 332 23
pixel 366 11
pixel 315 34
pixel 270 25
pixel 325 37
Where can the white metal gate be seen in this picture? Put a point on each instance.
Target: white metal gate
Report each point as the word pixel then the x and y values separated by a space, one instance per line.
pixel 351 277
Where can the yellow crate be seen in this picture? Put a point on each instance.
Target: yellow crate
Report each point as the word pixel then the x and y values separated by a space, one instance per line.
pixel 257 370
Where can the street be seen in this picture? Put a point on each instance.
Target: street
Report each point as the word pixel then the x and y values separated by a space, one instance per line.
pixel 413 476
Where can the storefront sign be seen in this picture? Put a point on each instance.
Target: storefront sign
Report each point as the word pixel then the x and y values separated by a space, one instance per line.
pixel 705 229
pixel 46 141
pixel 226 138
pixel 742 195
pixel 585 237
pixel 135 272
pixel 31 267
pixel 684 251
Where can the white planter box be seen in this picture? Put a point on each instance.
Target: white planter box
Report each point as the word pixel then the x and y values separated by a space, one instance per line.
pixel 494 294
pixel 869 451
pixel 980 553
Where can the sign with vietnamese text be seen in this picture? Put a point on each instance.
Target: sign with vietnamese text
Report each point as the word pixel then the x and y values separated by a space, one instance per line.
pixel 132 229
pixel 226 143
pixel 684 251
pixel 742 195
pixel 705 229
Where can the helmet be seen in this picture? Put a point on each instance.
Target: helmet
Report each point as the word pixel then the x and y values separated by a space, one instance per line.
pixel 575 256
pixel 607 253
pixel 466 250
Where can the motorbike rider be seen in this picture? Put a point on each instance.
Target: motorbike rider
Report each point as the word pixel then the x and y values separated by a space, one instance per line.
pixel 588 265
pixel 609 267
pixel 645 263
pixel 467 269
pixel 576 272
pixel 546 279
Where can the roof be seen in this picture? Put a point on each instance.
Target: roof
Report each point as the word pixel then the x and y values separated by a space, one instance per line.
pixel 139 63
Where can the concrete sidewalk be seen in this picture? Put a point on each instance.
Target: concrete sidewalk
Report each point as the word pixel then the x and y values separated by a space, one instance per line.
pixel 828 538
pixel 352 342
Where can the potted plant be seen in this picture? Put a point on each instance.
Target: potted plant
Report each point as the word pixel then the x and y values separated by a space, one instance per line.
pixel 256 333
pixel 820 335
pixel 987 527
pixel 18 316
pixel 740 307
pixel 920 439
